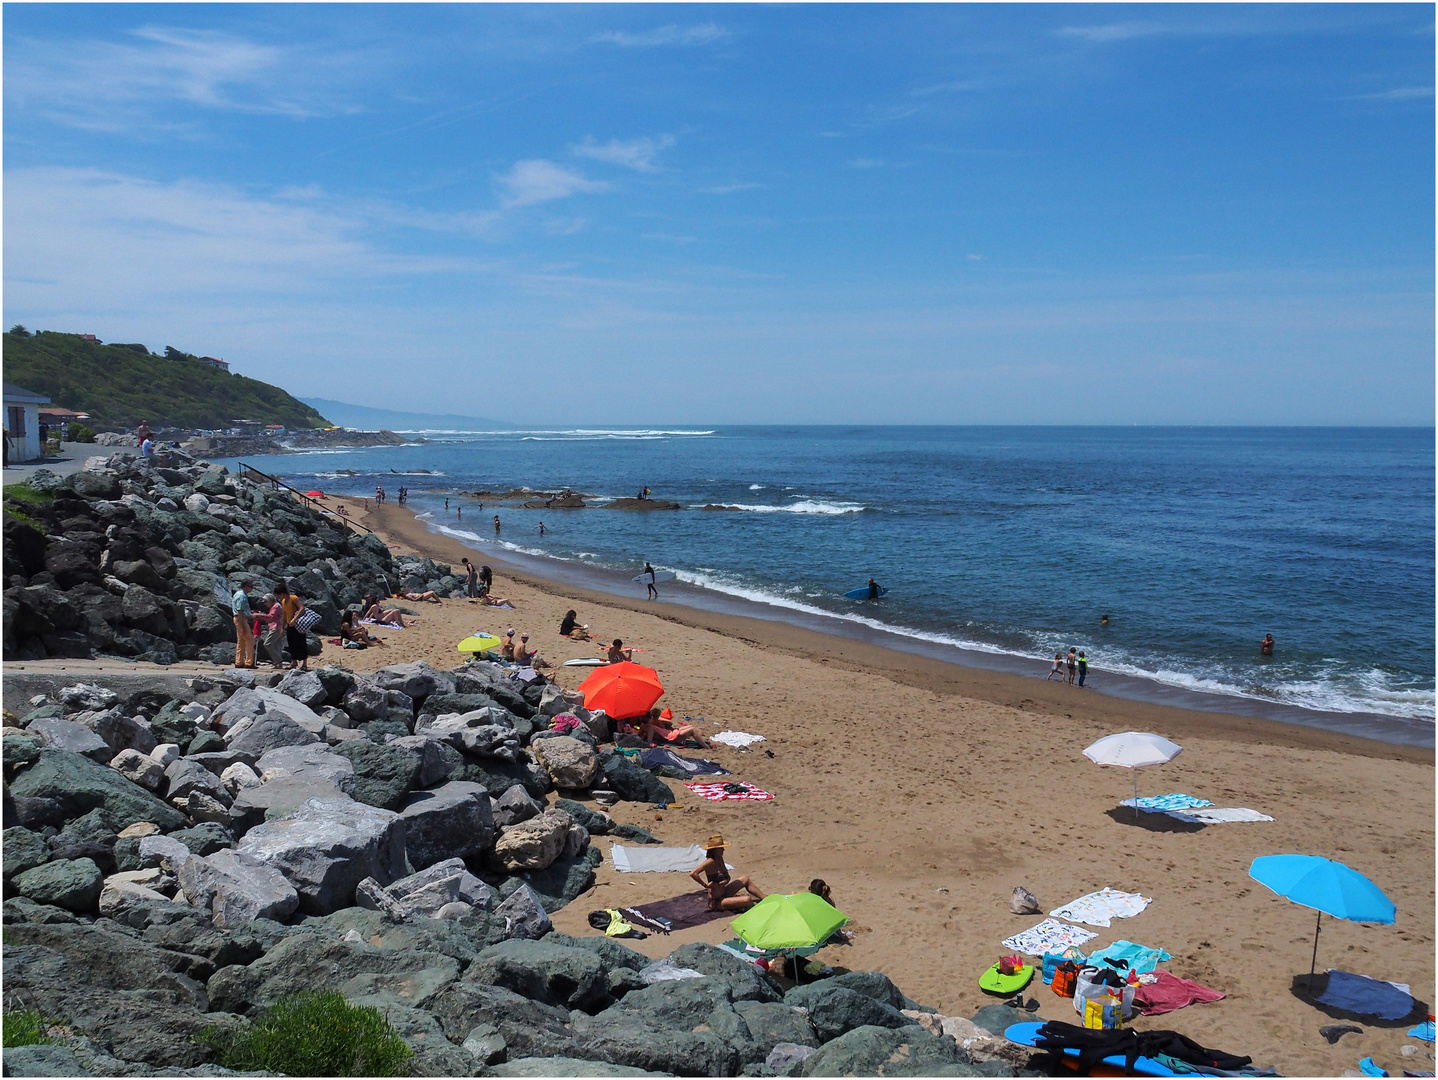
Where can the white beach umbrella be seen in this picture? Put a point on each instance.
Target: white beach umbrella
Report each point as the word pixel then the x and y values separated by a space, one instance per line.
pixel 1133 750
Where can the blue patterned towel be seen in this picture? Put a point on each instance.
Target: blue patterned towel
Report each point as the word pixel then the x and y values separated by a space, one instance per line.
pixel 1166 802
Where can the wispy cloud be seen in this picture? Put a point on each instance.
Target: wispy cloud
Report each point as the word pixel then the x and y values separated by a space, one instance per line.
pixel 672 34
pixel 728 189
pixel 536 181
pixel 871 163
pixel 637 154
pixel 1119 31
pixel 1402 93
pixel 122 85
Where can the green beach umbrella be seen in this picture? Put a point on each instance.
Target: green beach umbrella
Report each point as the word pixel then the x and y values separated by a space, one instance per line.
pixel 789 922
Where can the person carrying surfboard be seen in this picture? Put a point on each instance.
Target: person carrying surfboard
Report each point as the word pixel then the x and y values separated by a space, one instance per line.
pixel 873 589
pixel 653 593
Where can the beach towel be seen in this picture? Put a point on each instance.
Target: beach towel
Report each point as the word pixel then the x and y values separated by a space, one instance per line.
pixel 1423 1031
pixel 716 792
pixel 1368 1067
pixel 1098 908
pixel 736 738
pixel 1219 815
pixel 1139 958
pixel 1362 996
pixel 657 860
pixel 1168 992
pixel 657 756
pixel 1049 936
pixel 676 913
pixel 1164 803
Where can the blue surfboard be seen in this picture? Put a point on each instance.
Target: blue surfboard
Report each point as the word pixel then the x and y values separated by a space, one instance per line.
pixel 863 593
pixel 1027 1035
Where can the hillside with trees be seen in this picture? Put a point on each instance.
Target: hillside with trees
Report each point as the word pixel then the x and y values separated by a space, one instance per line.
pixel 120 385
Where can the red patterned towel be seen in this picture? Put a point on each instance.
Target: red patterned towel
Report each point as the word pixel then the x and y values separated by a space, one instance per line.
pixel 716 792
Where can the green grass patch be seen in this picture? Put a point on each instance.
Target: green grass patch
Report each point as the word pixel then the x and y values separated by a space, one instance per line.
pixel 25 1028
pixel 25 493
pixel 314 1034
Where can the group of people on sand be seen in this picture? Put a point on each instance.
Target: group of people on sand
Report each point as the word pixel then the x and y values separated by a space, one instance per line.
pixel 273 625
pixel 479 584
pixel 1070 668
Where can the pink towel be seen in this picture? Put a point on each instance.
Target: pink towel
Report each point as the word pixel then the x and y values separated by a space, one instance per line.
pixel 716 792
pixel 1170 992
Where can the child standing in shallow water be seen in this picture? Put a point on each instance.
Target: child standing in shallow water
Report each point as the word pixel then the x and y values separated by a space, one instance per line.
pixel 1072 666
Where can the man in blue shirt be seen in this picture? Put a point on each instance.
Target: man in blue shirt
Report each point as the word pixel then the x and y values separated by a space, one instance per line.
pixel 244 635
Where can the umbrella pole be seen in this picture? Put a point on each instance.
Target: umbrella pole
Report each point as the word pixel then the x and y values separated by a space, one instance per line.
pixel 1317 926
pixel 1135 794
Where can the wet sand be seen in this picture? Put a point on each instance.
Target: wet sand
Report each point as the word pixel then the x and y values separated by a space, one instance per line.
pixel 923 792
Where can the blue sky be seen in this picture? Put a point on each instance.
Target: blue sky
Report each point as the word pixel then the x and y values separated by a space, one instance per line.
pixel 713 214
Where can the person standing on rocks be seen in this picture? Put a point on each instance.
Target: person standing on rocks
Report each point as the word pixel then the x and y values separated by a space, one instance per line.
pixel 292 607
pixel 244 637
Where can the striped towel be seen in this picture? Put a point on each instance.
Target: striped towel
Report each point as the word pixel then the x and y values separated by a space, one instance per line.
pixel 716 792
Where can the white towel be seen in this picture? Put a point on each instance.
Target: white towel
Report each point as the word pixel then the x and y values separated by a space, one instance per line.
pixel 735 738
pixel 1219 815
pixel 657 860
pixel 1049 936
pixel 1098 908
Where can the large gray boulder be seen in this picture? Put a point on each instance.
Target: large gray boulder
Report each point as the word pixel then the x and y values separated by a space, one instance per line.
pixel 79 785
pixel 541 971
pixel 329 846
pixel 633 783
pixel 643 1042
pixel 72 737
pixel 256 803
pixel 183 776
pixel 139 769
pixel 434 763
pixel 446 822
pixel 552 1066
pixel 526 1028
pixel 122 732
pixel 262 734
pixel 312 763
pixel 417 679
pixel 428 892
pixel 570 763
pixel 524 915
pixel 536 843
pixel 236 888
pixel 23 850
pixel 364 701
pixel 517 805
pixel 305 687
pixel 87 696
pixel 73 884
pixel 834 1010
pixel 888 1051
pixel 383 775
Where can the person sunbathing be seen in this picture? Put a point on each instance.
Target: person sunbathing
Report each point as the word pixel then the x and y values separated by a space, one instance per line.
pixel 351 630
pixel 726 893
pixel 524 656
pixel 372 611
pixel 660 727
pixel 618 654
pixel 429 596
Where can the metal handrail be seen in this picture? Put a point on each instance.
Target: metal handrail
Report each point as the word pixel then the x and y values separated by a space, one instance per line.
pixel 247 469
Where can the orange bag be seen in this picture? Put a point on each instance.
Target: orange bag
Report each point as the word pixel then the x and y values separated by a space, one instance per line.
pixel 1065 979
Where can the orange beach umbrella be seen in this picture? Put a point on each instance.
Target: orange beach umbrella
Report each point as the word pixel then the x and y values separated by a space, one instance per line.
pixel 315 494
pixel 622 690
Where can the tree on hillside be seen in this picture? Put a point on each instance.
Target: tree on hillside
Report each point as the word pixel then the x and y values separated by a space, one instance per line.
pixel 19 330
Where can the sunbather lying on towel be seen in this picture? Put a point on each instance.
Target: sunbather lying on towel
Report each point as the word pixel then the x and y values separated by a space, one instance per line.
pixel 429 596
pixel 372 611
pixel 351 630
pixel 660 727
pixel 725 893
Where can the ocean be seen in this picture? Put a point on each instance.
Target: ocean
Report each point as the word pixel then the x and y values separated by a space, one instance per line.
pixel 999 546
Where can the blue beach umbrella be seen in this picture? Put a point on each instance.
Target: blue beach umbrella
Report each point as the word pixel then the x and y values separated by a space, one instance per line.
pixel 1326 886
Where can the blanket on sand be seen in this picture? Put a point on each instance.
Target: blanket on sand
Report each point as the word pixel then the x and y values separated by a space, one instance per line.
pixel 1219 815
pixel 676 913
pixel 1164 803
pixel 657 860
pixel 1168 992
pixel 1049 936
pixel 1098 908
pixel 716 792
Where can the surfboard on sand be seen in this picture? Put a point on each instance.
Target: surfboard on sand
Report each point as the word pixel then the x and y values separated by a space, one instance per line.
pixel 659 575
pixel 587 661
pixel 1027 1035
pixel 862 593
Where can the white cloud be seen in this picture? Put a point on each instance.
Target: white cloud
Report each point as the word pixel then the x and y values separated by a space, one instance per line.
pixel 119 85
pixel 637 154
pixel 536 181
pixel 702 34
pixel 728 189
pixel 1121 31
pixel 1402 93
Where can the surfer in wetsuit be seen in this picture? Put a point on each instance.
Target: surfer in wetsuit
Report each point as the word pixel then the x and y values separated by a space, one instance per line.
pixel 725 893
pixel 653 593
pixel 873 589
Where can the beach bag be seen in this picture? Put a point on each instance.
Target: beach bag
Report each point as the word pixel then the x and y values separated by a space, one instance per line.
pixel 1009 964
pixel 1104 1013
pixel 1051 964
pixel 1093 983
pixel 1023 902
pixel 1065 978
pixel 306 620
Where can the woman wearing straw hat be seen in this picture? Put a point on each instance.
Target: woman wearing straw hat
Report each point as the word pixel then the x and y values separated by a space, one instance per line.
pixel 725 893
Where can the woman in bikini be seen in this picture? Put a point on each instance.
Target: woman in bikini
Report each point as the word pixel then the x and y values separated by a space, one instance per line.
pixel 725 893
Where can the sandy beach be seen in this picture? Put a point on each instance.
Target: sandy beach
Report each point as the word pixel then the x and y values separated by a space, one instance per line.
pixel 923 792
